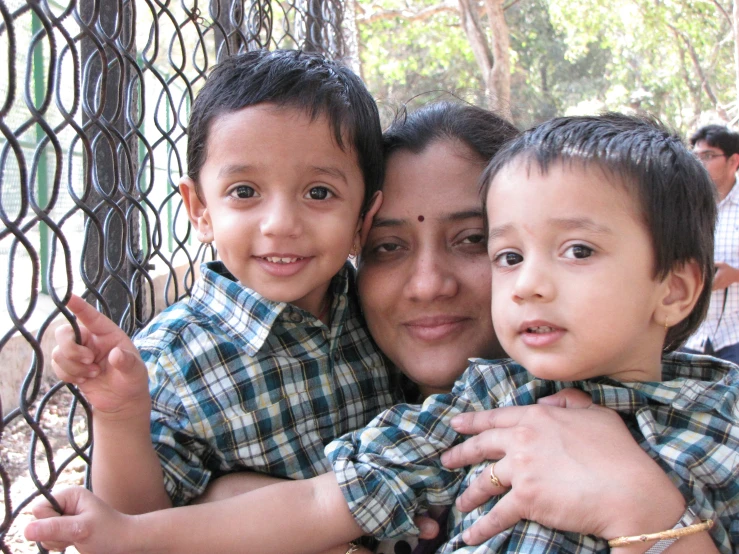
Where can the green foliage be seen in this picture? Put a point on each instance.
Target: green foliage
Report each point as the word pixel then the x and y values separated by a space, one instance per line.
pixel 568 56
pixel 402 60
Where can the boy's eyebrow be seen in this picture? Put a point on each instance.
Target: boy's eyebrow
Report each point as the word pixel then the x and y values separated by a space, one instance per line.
pixel 233 169
pixel 237 169
pixel 452 216
pixel 567 223
pixel 333 171
pixel 584 223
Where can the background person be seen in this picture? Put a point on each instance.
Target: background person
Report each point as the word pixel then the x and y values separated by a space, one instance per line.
pixel 718 149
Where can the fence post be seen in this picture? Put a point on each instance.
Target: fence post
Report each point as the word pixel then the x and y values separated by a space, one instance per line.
pixel 110 104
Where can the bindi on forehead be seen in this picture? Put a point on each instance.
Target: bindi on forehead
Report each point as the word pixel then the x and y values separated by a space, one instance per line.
pixel 421 218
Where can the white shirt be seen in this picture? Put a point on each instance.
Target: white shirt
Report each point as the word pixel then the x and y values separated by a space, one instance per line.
pixel 723 331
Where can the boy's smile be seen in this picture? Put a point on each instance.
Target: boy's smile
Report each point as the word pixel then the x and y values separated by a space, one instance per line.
pixel 574 292
pixel 281 201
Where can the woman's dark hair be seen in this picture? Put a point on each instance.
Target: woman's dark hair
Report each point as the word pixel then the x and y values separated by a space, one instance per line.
pixel 293 79
pixel 481 130
pixel 672 188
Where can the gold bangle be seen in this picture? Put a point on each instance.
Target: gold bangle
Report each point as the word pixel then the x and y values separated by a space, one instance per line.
pixel 670 534
pixel 353 547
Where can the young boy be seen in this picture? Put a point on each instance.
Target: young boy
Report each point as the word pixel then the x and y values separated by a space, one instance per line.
pixel 600 236
pixel 269 359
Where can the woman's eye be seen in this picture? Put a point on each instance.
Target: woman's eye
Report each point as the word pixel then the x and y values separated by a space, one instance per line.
pixel 508 259
pixel 319 193
pixel 579 252
pixel 243 191
pixel 386 247
pixel 474 239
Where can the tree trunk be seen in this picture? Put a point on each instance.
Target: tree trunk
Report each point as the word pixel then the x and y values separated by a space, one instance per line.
pixel 499 80
pixel 477 39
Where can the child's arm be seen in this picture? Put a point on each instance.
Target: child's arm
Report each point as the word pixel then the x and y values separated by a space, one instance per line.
pixel 291 517
pixel 110 373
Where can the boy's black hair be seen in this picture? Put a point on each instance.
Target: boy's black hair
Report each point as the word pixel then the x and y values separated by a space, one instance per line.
pixel 481 130
pixel 675 192
pixel 717 136
pixel 291 79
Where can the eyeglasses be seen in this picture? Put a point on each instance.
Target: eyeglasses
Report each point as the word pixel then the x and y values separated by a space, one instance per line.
pixel 707 155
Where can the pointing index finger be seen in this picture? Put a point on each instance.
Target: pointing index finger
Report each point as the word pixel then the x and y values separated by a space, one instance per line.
pixel 88 316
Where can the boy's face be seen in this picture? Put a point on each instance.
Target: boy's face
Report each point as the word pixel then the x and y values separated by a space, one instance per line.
pixel 573 294
pixel 281 201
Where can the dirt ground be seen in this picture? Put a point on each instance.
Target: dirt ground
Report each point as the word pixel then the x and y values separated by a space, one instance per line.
pixel 15 445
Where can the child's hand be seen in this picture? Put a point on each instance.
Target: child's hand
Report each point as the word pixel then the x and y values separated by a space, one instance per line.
pixel 106 366
pixel 88 523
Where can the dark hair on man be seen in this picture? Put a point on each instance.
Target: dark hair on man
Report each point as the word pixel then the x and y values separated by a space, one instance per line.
pixel 717 136
pixel 481 130
pixel 291 79
pixel 675 192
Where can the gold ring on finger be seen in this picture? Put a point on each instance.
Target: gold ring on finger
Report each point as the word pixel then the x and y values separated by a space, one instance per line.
pixel 494 478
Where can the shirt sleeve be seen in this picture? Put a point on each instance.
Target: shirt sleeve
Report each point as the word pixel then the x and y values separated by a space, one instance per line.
pixel 391 468
pixel 182 452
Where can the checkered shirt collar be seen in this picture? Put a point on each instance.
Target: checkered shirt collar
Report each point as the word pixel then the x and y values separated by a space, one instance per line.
pixel 246 315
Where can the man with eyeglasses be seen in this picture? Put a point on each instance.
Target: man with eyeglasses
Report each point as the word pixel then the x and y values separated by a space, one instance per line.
pixel 718 148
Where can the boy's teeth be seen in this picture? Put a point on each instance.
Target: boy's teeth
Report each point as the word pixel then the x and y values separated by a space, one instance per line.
pixel 276 260
pixel 540 329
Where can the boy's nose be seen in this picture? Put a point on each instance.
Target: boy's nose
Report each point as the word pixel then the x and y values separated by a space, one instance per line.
pixel 432 277
pixel 533 282
pixel 281 217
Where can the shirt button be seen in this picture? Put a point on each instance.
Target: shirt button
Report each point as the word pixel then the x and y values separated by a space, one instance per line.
pixel 295 317
pixel 337 357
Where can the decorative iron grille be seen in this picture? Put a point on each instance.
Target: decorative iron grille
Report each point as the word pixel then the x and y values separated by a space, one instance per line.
pixel 94 101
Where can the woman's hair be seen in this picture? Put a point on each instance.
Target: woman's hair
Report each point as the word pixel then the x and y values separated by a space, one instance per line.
pixel 481 130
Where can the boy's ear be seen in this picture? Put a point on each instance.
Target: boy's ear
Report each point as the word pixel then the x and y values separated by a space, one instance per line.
pixel 684 286
pixel 365 223
pixel 197 211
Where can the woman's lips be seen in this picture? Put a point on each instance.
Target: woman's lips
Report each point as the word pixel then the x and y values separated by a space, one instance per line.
pixel 435 328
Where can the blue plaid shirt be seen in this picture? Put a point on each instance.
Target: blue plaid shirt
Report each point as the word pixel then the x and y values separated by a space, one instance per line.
pixel 687 423
pixel 241 382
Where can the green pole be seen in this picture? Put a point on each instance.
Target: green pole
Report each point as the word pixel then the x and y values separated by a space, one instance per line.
pixel 42 173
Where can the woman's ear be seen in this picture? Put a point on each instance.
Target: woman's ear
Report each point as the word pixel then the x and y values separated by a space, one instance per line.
pixel 365 223
pixel 197 211
pixel 684 285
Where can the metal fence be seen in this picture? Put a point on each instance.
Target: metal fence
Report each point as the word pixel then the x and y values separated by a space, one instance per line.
pixel 94 101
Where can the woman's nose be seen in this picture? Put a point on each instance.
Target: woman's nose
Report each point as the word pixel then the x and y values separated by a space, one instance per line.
pixel 432 277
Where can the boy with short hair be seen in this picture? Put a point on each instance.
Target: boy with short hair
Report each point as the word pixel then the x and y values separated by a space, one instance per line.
pixel 269 359
pixel 600 236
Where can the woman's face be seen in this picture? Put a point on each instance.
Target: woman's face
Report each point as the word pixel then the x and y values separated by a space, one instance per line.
pixel 424 274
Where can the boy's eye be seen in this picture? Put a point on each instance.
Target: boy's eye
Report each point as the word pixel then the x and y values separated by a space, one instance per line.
pixel 578 251
pixel 507 259
pixel 319 193
pixel 243 191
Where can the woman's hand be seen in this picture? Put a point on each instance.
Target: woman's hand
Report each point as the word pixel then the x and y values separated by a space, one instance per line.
pixel 576 470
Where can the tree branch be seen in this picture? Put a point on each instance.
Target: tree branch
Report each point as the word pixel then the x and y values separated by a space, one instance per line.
pixel 724 12
pixel 408 15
